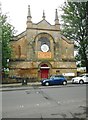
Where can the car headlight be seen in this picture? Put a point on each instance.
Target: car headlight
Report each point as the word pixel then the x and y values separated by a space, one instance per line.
pixel 43 81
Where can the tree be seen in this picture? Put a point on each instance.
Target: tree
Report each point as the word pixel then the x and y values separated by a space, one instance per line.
pixel 7 34
pixel 75 27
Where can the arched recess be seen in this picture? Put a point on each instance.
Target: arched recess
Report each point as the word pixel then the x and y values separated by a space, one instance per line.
pixel 43 34
pixel 19 51
pixel 44 38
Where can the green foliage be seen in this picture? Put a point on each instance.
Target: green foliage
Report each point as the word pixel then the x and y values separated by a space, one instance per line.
pixel 75 27
pixel 7 34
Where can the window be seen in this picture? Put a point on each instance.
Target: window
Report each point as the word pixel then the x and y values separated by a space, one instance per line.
pixel 43 40
pixel 19 51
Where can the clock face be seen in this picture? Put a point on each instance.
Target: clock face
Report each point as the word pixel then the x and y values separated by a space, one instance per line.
pixel 44 48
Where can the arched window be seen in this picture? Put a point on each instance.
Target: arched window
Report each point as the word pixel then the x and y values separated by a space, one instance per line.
pixel 43 40
pixel 19 51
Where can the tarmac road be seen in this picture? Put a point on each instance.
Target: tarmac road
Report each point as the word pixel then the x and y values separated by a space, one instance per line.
pixel 45 102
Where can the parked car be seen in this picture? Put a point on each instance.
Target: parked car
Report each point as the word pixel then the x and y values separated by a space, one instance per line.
pixel 54 80
pixel 83 78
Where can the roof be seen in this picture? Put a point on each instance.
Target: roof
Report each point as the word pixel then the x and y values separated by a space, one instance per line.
pixel 19 36
pixel 68 41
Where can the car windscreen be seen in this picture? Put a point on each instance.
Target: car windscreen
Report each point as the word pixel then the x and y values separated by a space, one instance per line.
pixel 81 75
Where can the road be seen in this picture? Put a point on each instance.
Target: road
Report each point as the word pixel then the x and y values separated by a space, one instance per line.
pixel 45 102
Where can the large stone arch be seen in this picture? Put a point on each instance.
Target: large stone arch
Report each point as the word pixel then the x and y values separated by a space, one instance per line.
pixel 50 41
pixel 43 34
pixel 45 62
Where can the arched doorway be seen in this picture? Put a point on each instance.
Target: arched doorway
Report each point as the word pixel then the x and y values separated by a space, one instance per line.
pixel 44 71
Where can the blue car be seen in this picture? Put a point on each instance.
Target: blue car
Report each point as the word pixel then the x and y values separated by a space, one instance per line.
pixel 54 80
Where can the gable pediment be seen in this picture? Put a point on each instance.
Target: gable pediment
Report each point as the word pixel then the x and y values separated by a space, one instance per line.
pixel 43 24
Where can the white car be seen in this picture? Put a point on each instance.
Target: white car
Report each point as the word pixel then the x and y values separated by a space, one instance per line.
pixel 83 78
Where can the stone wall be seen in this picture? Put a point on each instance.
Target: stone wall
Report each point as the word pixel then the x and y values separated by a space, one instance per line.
pixel 27 59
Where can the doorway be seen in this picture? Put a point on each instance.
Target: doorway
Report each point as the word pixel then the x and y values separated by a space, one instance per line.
pixel 44 71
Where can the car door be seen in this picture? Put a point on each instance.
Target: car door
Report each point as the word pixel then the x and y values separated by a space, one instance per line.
pixel 52 80
pixel 60 80
pixel 56 80
pixel 86 78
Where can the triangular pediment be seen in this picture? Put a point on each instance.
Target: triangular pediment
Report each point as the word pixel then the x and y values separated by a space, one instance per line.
pixel 43 24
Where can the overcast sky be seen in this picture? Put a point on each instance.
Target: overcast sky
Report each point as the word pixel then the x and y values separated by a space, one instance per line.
pixel 17 11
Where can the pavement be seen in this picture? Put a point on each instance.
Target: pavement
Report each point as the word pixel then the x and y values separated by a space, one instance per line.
pixel 20 84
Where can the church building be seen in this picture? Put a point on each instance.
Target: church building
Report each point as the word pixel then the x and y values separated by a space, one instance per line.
pixel 41 51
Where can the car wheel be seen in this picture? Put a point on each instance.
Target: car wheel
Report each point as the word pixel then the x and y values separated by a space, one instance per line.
pixel 64 82
pixel 81 81
pixel 47 83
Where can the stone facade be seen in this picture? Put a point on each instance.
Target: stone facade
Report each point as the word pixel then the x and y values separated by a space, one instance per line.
pixel 41 51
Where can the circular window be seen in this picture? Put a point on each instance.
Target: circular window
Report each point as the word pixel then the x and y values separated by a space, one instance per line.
pixel 45 48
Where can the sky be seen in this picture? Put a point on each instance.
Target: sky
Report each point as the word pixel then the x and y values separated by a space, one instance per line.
pixel 17 11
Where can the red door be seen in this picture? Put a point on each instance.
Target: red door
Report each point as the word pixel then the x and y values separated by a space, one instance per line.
pixel 44 73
